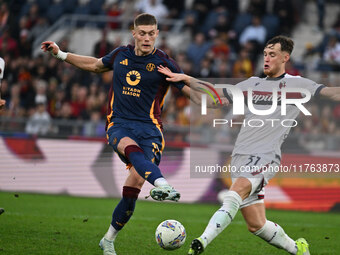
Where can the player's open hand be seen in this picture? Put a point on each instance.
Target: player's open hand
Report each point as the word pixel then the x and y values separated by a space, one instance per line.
pixel 2 103
pixel 173 77
pixel 50 46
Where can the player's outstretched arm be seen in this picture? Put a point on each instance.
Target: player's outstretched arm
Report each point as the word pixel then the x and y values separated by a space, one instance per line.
pixel 83 62
pixel 332 93
pixel 194 88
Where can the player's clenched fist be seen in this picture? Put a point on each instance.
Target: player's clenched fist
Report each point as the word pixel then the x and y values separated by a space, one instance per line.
pixel 53 48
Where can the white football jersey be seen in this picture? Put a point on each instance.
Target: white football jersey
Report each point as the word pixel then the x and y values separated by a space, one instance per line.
pixel 266 133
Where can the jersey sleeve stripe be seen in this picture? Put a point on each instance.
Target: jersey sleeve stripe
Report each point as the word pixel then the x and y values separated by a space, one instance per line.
pixel 225 92
pixel 109 116
pixel 152 116
pixel 162 103
pixel 317 92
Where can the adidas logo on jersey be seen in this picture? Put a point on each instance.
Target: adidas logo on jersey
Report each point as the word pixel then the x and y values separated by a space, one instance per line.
pixel 124 62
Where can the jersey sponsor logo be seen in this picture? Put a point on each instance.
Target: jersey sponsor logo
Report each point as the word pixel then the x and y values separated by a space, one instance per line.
pixel 266 98
pixel 287 96
pixel 133 77
pixel 131 91
pixel 124 62
pixel 282 84
pixel 150 67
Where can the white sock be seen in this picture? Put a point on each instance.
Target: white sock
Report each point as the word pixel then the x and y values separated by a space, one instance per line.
pixel 161 182
pixel 111 233
pixel 276 236
pixel 222 217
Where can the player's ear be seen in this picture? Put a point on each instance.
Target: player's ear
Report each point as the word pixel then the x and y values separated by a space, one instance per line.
pixel 286 57
pixel 134 32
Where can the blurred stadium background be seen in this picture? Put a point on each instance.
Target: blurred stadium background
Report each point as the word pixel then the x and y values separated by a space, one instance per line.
pixel 52 130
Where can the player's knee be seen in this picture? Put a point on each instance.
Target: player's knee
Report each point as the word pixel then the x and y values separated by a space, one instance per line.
pixel 254 226
pixel 242 186
pixel 124 143
pixel 134 179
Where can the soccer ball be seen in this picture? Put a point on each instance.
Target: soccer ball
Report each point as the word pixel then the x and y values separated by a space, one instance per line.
pixel 170 234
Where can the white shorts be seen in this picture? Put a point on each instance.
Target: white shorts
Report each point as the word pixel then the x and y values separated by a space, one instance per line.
pixel 258 169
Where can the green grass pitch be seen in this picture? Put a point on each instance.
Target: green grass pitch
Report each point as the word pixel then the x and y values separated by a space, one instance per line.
pixel 35 224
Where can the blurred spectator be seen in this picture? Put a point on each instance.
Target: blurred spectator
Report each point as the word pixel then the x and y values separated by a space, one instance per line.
pixel 65 127
pixel 56 103
pixel 25 45
pixel 182 117
pixel 243 67
pixel 153 7
pixel 5 93
pixel 197 50
pixel 326 119
pixel 332 53
pixel 4 15
pixel 285 10
pixel 163 45
pixel 94 127
pixel 223 70
pixel 220 46
pixel 336 26
pixel 8 45
pixel 257 7
pixel 40 121
pixel 33 15
pixel 255 33
pixel 336 114
pixel 321 13
pixel 64 44
pixel 103 46
pixel 291 69
pixel 191 24
pixel 128 10
pixel 202 8
pixel 39 28
pixel 14 107
pixel 78 101
pixel 222 26
pixel 205 70
pixel 231 7
pixel 114 12
pixel 174 7
pixel 253 38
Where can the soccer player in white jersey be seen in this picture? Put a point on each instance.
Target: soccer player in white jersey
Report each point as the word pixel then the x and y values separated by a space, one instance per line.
pixel 257 146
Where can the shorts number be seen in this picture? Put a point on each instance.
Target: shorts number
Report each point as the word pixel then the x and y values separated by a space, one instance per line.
pixel 155 149
pixel 253 158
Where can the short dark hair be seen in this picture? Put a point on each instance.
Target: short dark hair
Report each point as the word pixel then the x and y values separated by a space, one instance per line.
pixel 286 43
pixel 145 19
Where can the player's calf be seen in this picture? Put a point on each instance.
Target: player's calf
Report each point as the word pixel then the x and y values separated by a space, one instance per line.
pixel 144 167
pixel 276 236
